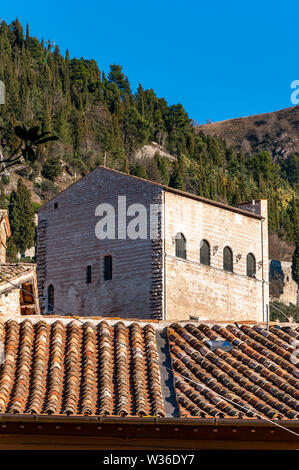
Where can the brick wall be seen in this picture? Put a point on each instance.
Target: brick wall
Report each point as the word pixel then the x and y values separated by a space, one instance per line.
pixel 69 244
pixel 41 262
pixel 157 291
pixel 207 291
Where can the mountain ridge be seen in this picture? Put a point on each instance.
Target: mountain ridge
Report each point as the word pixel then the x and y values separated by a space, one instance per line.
pixel 276 132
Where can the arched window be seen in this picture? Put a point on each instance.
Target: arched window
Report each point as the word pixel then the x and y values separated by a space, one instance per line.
pixel 228 259
pixel 50 302
pixel 88 275
pixel 107 268
pixel 180 246
pixel 205 253
pixel 251 265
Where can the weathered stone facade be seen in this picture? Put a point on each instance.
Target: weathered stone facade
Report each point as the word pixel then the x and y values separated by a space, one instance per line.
pixel 282 286
pixel 13 278
pixel 69 244
pixel 148 280
pixel 18 290
pixel 209 292
pixel 10 303
pixel 4 233
pixel 41 256
pixel 156 293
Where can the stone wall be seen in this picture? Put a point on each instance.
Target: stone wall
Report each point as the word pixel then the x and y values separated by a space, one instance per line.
pixel 10 297
pixel 41 271
pixel 157 286
pixel 10 303
pixel 282 286
pixel 4 228
pixel 207 291
pixel 69 244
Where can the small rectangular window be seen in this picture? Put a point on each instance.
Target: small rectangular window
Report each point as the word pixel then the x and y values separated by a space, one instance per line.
pixel 55 205
pixel 107 268
pixel 88 275
pixel 50 300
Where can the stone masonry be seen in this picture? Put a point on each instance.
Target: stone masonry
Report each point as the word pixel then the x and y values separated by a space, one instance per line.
pixel 209 292
pixel 68 245
pixel 282 286
pixel 148 280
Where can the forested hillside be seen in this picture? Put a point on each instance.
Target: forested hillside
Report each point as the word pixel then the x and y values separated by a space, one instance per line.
pixel 97 117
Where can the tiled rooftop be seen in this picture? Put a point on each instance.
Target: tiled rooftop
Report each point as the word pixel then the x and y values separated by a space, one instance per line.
pixel 10 271
pixel 80 368
pixel 115 368
pixel 258 373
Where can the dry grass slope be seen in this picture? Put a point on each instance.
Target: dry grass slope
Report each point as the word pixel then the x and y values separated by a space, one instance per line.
pixel 276 132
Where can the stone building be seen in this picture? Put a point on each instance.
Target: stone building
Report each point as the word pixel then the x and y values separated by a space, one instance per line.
pixel 18 287
pixel 189 256
pixel 282 286
pixel 18 290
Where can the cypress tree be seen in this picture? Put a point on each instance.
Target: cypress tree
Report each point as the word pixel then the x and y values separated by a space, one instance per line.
pixel 125 167
pixel 21 217
pixel 3 201
pixel 11 252
pixel 176 179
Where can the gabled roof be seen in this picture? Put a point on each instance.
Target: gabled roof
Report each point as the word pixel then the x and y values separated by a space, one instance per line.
pixel 11 271
pixel 119 368
pixel 164 188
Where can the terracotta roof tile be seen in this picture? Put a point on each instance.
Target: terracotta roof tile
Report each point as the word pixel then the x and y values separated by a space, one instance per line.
pixel 104 367
pixel 80 368
pixel 10 271
pixel 257 373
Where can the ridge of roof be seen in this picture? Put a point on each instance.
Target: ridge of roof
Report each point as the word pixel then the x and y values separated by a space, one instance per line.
pixel 12 271
pixel 164 188
pixel 157 324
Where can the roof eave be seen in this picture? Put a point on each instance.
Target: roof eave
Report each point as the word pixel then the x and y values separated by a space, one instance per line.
pixel 186 421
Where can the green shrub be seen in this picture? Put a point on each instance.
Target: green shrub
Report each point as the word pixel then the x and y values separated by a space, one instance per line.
pixel 5 180
pixel 52 168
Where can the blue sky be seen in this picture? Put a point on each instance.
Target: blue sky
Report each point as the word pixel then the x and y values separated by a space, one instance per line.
pixel 220 59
